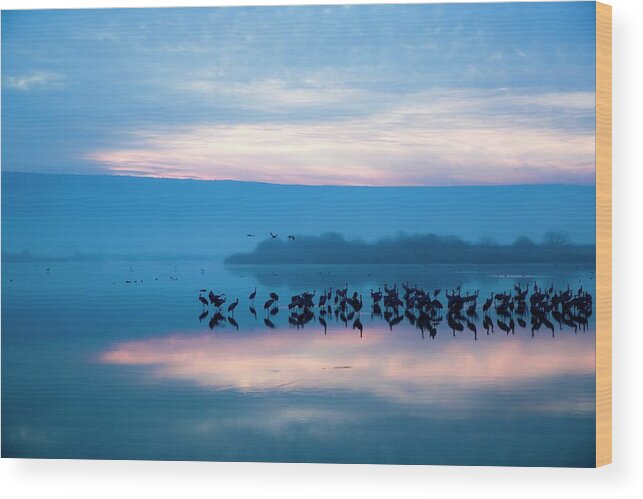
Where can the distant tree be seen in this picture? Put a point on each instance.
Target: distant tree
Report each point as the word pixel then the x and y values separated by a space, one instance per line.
pixel 451 241
pixel 523 242
pixel 556 238
pixel 488 241
pixel 332 236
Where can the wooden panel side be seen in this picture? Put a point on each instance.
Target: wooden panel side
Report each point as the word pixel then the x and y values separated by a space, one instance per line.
pixel 603 234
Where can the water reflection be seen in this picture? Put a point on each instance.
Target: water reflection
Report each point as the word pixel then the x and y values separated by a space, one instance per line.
pixel 105 365
pixel 423 309
pixel 449 373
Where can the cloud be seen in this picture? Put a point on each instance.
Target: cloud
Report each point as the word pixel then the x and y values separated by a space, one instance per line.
pixel 373 138
pixel 568 100
pixel 364 91
pixel 33 80
pixel 274 94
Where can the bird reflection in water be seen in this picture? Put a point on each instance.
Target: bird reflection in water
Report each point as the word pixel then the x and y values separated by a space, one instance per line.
pixel 422 309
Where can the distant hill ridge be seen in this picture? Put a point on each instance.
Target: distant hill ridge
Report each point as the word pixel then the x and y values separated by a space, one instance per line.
pixel 59 214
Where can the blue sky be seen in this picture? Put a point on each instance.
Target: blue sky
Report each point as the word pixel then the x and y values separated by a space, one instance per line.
pixel 447 94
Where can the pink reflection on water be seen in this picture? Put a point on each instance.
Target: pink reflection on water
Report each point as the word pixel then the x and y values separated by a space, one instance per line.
pixel 398 366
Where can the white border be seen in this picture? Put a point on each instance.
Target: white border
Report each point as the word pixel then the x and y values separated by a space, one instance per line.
pixel 159 480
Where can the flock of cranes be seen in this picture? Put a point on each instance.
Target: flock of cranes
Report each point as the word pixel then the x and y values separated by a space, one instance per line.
pixel 423 309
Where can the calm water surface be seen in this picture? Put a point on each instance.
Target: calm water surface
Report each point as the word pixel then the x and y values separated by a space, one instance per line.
pixel 94 367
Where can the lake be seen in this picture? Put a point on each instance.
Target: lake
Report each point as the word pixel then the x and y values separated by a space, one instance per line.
pixel 96 367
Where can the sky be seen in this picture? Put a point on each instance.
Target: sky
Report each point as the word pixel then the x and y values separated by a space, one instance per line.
pixel 442 94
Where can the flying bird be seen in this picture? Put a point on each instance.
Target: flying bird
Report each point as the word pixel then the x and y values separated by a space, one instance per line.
pixel 274 236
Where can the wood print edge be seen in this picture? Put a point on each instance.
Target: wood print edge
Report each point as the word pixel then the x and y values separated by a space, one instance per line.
pixel 603 234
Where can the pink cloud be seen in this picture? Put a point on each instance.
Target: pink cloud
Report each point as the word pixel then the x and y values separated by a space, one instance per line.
pixel 421 139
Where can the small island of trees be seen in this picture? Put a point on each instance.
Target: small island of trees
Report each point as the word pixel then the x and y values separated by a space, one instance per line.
pixel 334 248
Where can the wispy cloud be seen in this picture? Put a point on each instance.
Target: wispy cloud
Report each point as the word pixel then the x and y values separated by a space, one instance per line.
pixel 434 92
pixel 421 138
pixel 37 79
pixel 583 101
pixel 364 90
pixel 285 94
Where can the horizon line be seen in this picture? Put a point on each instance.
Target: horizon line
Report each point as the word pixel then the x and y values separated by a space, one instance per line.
pixel 230 180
